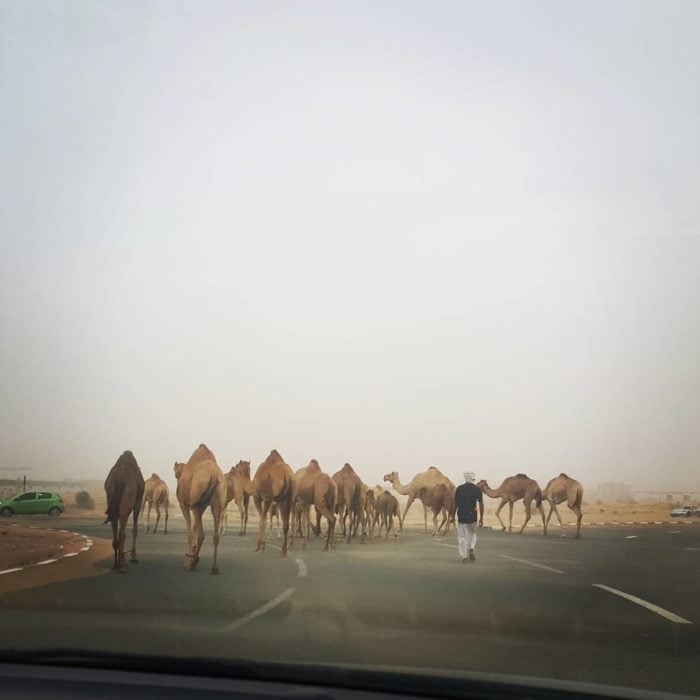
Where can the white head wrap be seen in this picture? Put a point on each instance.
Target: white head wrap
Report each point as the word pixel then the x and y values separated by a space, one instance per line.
pixel 469 477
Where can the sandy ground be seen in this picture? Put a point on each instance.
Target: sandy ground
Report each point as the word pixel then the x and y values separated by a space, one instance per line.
pixel 24 546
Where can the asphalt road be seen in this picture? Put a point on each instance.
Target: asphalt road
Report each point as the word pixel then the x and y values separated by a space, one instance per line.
pixel 528 606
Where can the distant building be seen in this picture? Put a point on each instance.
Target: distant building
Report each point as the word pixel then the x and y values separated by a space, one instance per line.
pixel 614 491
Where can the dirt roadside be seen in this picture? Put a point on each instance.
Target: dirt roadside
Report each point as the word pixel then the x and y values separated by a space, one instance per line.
pixel 25 547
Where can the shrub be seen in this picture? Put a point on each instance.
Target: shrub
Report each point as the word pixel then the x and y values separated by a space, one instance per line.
pixel 83 500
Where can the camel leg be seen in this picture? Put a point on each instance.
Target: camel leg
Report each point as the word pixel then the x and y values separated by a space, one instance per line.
pixel 197 536
pixel 286 509
pixel 398 515
pixel 189 556
pixel 262 508
pixel 167 508
pixel 216 514
pixel 148 518
pixel 155 529
pixel 579 517
pixel 553 508
pixel 135 528
pixel 528 515
pixel 321 509
pixel 244 515
pixel 498 511
pixel 408 505
pixel 510 517
pixel 390 525
pixel 549 517
pixel 115 543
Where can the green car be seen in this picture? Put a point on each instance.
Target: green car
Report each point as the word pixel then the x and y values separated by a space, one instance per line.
pixel 32 503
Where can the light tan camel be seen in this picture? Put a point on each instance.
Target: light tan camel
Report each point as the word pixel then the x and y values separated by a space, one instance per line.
pixel 564 489
pixel 200 485
pixel 274 483
pixel 386 507
pixel 369 507
pixel 239 489
pixel 421 483
pixel 317 489
pixel 124 487
pixel 156 493
pixel 440 500
pixel 513 489
pixel 350 501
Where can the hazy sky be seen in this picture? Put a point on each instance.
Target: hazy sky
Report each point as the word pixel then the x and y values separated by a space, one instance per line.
pixel 391 233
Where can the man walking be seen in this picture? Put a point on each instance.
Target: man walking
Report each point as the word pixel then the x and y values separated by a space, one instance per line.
pixel 467 495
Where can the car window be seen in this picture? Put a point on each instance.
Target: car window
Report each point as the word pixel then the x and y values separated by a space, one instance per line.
pixel 44 496
pixel 31 496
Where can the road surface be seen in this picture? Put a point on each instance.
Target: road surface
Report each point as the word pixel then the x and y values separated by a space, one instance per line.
pixel 532 606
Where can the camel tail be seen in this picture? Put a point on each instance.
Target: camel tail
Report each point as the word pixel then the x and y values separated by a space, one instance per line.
pixel 538 497
pixel 113 500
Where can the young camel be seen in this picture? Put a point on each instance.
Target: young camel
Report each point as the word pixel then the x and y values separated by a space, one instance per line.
pixel 200 485
pixel 239 488
pixel 314 488
pixel 386 506
pixel 440 499
pixel 564 489
pixel 124 487
pixel 274 483
pixel 156 493
pixel 513 489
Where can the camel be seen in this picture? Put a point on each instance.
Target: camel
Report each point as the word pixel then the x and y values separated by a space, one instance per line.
pixel 317 489
pixel 440 499
pixel 564 489
pixel 369 507
pixel 200 485
pixel 239 489
pixel 124 487
pixel 386 507
pixel 274 483
pixel 156 494
pixel 421 483
pixel 351 500
pixel 511 490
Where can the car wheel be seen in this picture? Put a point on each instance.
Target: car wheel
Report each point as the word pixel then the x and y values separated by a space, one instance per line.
pixel 53 512
pixel 6 512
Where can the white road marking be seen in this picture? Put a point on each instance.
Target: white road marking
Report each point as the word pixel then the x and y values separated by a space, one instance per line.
pixel 441 544
pixel 46 561
pixel 301 564
pixel 269 544
pixel 71 554
pixel 631 537
pixel 532 563
pixel 9 571
pixel 645 604
pixel 258 611
pixel 675 532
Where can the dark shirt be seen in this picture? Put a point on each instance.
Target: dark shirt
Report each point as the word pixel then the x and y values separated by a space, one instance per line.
pixel 466 498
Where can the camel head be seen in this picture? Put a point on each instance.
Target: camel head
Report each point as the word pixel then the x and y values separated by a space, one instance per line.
pixel 179 466
pixel 242 468
pixel 391 477
pixel 483 484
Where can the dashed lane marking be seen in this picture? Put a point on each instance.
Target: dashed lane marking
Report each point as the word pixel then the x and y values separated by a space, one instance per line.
pixel 645 604
pixel 442 544
pixel 532 563
pixel 301 565
pixel 631 537
pixel 270 605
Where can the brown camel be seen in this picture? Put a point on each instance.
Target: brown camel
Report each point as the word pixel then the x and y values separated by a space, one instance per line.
pixel 350 501
pixel 239 489
pixel 421 483
pixel 386 507
pixel 124 487
pixel 200 485
pixel 156 494
pixel 369 506
pixel 274 483
pixel 440 500
pixel 511 490
pixel 317 489
pixel 564 489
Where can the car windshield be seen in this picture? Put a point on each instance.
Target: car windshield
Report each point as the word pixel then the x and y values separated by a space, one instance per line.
pixel 353 335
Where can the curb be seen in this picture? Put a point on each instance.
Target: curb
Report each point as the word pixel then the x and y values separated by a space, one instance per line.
pixel 86 546
pixel 629 522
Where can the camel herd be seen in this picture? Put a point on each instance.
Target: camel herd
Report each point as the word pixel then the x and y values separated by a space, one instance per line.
pixel 288 495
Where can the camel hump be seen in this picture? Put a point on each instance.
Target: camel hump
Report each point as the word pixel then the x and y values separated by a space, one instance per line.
pixel 347 469
pixel 202 454
pixel 565 476
pixel 314 467
pixel 155 477
pixel 522 476
pixel 275 454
